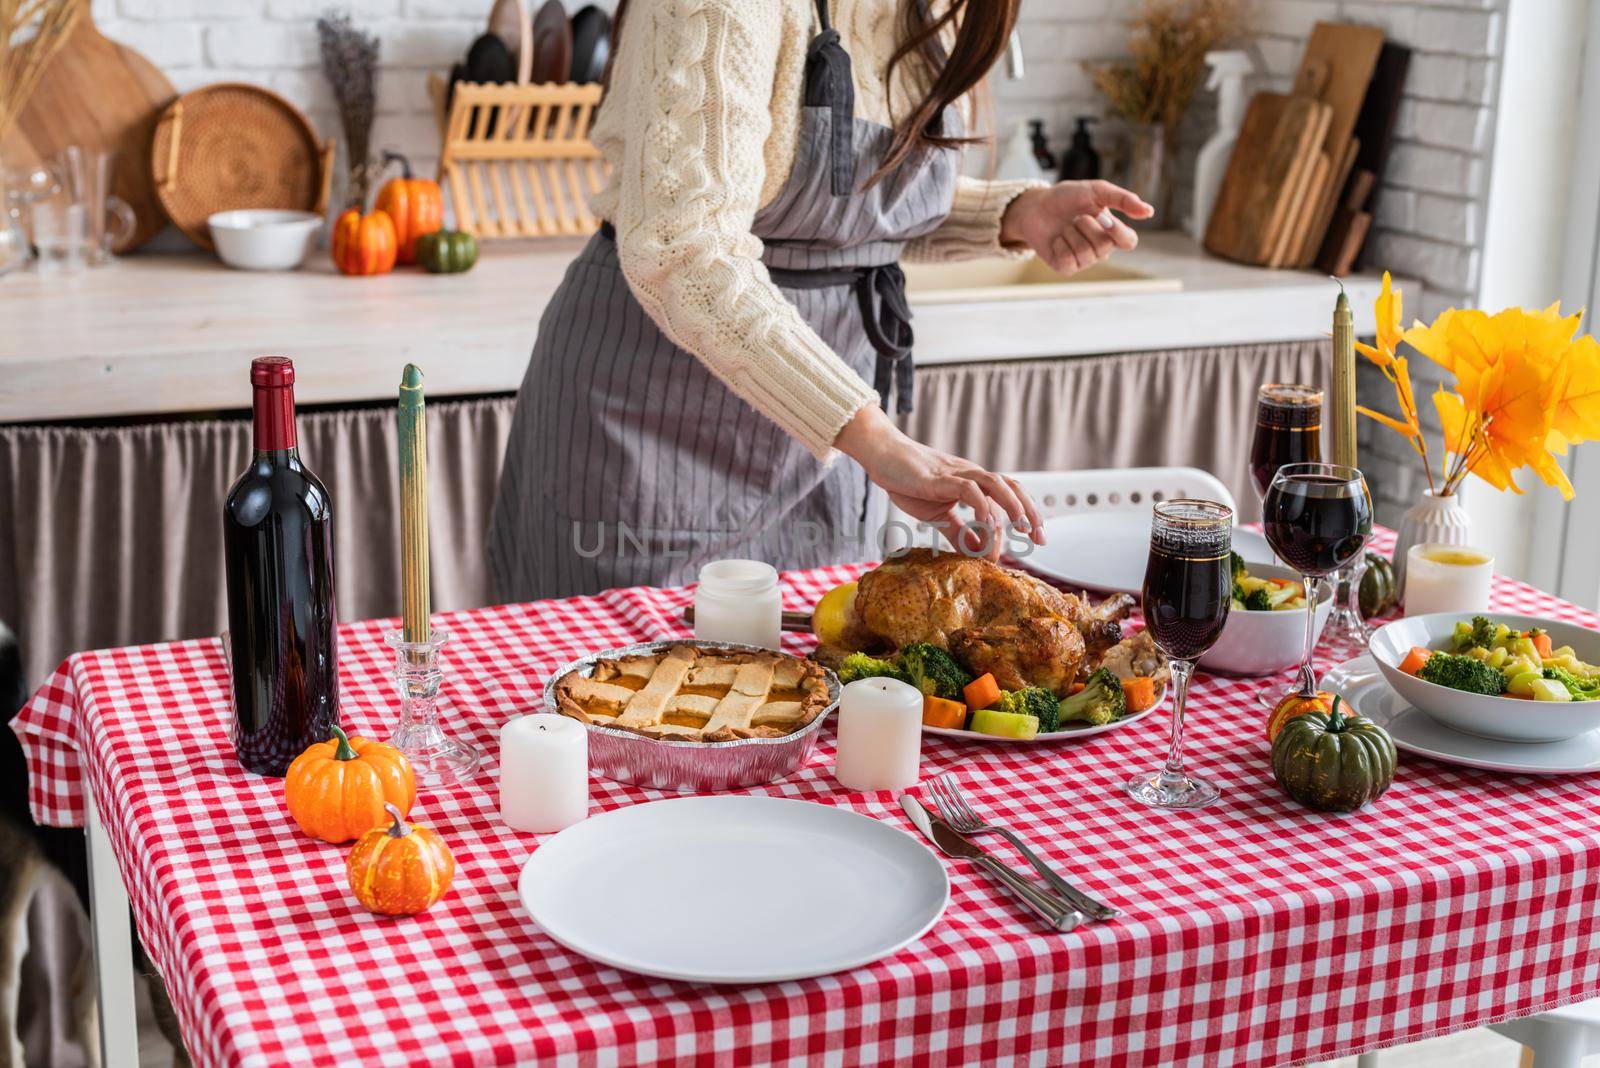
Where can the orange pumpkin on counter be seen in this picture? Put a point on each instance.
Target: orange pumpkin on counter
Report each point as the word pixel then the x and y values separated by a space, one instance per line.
pixel 1296 704
pixel 414 205
pixel 400 870
pixel 364 244
pixel 338 790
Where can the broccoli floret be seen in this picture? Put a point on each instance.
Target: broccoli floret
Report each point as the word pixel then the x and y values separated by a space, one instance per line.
pixel 933 671
pixel 1258 600
pixel 1580 689
pixel 1463 673
pixel 1238 568
pixel 1100 701
pixel 861 666
pixel 1035 701
pixel 1482 636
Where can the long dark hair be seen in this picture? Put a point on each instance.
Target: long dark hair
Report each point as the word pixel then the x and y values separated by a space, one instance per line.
pixel 982 28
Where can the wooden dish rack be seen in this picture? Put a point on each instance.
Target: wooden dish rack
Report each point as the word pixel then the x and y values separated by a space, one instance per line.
pixel 517 159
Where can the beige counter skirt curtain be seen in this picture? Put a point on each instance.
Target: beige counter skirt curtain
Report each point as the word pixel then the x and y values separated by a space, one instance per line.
pixel 1184 408
pixel 113 535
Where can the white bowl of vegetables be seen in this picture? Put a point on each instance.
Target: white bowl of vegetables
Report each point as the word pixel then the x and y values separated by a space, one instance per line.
pixel 1514 678
pixel 1266 628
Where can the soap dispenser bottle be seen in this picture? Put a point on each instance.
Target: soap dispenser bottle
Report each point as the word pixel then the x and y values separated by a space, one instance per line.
pixel 1081 161
pixel 1041 147
pixel 1017 160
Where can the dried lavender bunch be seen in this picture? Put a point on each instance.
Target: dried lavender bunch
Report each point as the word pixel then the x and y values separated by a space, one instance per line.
pixel 350 63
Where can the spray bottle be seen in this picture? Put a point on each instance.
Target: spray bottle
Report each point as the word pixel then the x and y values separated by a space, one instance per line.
pixel 1228 71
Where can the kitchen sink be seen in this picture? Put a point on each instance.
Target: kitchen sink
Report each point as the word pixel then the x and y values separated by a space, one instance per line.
pixel 1024 279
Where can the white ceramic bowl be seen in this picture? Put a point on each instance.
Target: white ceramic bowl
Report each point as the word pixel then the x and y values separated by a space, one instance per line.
pixel 1265 643
pixel 1511 719
pixel 260 239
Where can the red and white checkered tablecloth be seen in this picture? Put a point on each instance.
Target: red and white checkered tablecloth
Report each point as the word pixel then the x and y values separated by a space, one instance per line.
pixel 1255 931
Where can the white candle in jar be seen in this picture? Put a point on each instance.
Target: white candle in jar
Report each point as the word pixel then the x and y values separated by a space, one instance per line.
pixel 739 601
pixel 544 773
pixel 880 735
pixel 1447 578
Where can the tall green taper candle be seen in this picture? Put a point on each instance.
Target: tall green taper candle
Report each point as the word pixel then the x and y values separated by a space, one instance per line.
pixel 413 505
pixel 1343 407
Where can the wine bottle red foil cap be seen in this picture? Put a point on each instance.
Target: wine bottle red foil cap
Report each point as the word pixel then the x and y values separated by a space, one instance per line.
pixel 272 379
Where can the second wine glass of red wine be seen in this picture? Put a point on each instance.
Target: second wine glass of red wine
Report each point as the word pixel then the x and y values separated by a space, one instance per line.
pixel 1318 518
pixel 1187 586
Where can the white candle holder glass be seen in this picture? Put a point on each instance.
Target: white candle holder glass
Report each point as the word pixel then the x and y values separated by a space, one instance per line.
pixel 436 758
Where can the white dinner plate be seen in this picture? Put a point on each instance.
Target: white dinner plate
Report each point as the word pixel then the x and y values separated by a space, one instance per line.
pixel 1108 551
pixel 1054 736
pixel 733 888
pixel 1360 683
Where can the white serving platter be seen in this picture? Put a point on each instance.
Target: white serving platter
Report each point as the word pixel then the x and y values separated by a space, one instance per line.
pixel 1107 551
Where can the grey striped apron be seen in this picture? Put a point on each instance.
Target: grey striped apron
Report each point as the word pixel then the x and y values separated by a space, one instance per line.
pixel 629 463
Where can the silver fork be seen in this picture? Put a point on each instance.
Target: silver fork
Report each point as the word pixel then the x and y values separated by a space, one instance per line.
pixel 953 806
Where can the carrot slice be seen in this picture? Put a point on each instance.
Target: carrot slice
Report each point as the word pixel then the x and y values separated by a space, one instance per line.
pixel 982 691
pixel 1415 659
pixel 939 712
pixel 1140 693
pixel 1542 646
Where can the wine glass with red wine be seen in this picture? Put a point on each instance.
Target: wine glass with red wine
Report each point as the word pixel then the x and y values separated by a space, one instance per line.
pixel 1187 586
pixel 1318 519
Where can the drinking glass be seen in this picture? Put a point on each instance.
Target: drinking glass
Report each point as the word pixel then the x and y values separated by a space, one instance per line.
pixel 1187 584
pixel 1288 430
pixel 108 220
pixel 1318 518
pixel 58 234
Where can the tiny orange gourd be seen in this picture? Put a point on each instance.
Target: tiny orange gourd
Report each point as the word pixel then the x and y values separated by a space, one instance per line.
pixel 364 244
pixel 414 205
pixel 337 790
pixel 1296 704
pixel 400 870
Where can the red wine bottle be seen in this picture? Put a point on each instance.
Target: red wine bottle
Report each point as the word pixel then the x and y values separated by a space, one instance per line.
pixel 277 538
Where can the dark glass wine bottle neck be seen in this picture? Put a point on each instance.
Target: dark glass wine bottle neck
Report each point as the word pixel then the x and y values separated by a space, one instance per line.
pixel 274 419
pixel 289 457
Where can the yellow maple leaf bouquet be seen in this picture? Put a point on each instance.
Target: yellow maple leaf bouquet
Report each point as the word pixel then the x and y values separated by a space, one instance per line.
pixel 1527 388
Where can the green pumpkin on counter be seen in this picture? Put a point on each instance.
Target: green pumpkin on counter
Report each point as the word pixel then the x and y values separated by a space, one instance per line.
pixel 1379 591
pixel 447 251
pixel 1333 762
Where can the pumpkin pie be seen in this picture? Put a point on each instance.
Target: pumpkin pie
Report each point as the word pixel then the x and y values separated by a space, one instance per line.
pixel 697 694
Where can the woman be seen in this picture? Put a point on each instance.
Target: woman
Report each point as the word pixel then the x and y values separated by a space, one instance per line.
pixel 741 319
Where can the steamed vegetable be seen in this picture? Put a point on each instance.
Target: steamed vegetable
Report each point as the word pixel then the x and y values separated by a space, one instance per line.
pixel 1139 693
pixel 937 712
pixel 1004 724
pixel 1578 689
pixel 1465 673
pixel 1099 702
pixel 861 666
pixel 982 692
pixel 934 671
pixel 1035 701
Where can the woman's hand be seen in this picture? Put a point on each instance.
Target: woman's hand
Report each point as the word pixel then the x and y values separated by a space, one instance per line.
pixel 929 485
pixel 1070 224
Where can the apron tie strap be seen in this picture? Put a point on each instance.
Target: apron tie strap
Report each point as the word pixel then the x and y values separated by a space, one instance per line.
pixel 829 84
pixel 886 315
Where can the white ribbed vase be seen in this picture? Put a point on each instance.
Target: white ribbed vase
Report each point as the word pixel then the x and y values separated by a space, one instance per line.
pixel 1432 519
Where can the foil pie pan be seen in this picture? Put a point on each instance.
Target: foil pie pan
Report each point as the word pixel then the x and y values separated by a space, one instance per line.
pixel 703 767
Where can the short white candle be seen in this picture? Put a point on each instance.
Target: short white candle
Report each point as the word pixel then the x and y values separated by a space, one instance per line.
pixel 1447 578
pixel 739 601
pixel 880 735
pixel 544 773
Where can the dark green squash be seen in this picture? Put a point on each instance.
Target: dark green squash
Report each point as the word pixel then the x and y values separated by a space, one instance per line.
pixel 447 251
pixel 1332 761
pixel 1379 592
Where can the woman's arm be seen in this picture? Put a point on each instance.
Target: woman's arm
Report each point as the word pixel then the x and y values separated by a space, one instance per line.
pixel 972 229
pixel 1068 224
pixel 696 77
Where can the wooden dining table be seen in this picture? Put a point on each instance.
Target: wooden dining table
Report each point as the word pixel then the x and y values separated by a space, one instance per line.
pixel 1252 932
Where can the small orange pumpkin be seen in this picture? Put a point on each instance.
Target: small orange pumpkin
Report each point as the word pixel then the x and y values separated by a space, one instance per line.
pixel 1296 704
pixel 414 205
pixel 339 789
pixel 400 870
pixel 364 244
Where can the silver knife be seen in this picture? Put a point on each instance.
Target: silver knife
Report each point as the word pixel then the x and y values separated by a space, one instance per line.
pixel 1042 902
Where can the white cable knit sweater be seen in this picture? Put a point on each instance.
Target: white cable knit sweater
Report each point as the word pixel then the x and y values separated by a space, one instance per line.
pixel 700 126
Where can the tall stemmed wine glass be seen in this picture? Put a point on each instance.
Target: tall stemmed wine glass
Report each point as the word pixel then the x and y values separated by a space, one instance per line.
pixel 1318 518
pixel 1187 584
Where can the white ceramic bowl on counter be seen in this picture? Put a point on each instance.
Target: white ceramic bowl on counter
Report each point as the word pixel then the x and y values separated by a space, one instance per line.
pixel 1509 719
pixel 1256 643
pixel 263 239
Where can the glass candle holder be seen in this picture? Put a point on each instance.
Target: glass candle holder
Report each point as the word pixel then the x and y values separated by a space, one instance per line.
pixel 436 758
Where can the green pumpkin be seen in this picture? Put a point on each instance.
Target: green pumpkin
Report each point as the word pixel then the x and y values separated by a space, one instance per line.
pixel 1379 593
pixel 447 251
pixel 1332 761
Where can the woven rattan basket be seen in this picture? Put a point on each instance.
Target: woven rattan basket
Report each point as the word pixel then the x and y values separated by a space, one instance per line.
pixel 517 159
pixel 233 145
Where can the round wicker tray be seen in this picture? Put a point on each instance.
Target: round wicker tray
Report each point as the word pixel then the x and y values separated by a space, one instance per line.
pixel 233 145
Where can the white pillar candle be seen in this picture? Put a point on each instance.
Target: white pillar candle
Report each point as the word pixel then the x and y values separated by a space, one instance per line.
pixel 544 773
pixel 1447 578
pixel 880 735
pixel 739 601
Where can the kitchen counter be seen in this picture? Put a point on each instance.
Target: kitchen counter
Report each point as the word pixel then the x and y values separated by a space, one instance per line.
pixel 168 333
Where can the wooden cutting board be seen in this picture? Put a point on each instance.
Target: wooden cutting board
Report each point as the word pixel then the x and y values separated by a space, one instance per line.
pixel 105 97
pixel 1266 177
